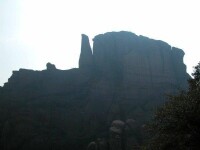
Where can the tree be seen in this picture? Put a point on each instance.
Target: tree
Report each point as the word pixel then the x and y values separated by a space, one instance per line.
pixel 176 124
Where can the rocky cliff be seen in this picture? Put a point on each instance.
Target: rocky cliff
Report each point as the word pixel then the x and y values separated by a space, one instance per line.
pixel 123 78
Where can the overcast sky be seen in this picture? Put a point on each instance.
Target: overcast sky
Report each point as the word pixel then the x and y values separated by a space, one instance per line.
pixel 34 32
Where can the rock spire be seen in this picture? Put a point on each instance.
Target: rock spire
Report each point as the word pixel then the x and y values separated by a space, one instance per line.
pixel 86 58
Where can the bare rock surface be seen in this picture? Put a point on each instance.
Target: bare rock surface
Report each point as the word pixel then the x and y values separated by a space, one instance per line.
pixel 124 76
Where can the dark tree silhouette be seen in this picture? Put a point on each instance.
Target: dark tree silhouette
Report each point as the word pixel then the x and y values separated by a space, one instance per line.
pixel 176 124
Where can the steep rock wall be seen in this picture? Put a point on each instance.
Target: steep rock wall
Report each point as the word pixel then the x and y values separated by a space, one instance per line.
pixel 124 77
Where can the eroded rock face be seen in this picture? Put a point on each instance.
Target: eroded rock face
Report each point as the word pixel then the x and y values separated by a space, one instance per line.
pixel 50 66
pixel 143 68
pixel 86 58
pixel 140 61
pixel 126 76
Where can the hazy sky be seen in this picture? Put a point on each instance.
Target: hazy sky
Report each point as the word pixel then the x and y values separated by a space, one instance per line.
pixel 34 32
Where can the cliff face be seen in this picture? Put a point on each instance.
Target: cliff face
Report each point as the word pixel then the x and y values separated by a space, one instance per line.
pixel 86 58
pixel 124 77
pixel 145 60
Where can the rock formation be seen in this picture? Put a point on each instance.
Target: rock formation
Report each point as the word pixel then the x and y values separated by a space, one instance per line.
pixel 122 136
pixel 50 66
pixel 125 76
pixel 86 58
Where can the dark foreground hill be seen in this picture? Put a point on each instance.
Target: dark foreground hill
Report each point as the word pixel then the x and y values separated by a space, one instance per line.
pixel 108 98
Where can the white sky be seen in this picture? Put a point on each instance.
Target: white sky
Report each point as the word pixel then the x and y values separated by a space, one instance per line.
pixel 34 32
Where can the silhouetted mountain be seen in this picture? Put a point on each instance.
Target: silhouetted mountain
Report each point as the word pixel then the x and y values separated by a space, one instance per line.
pixel 123 78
